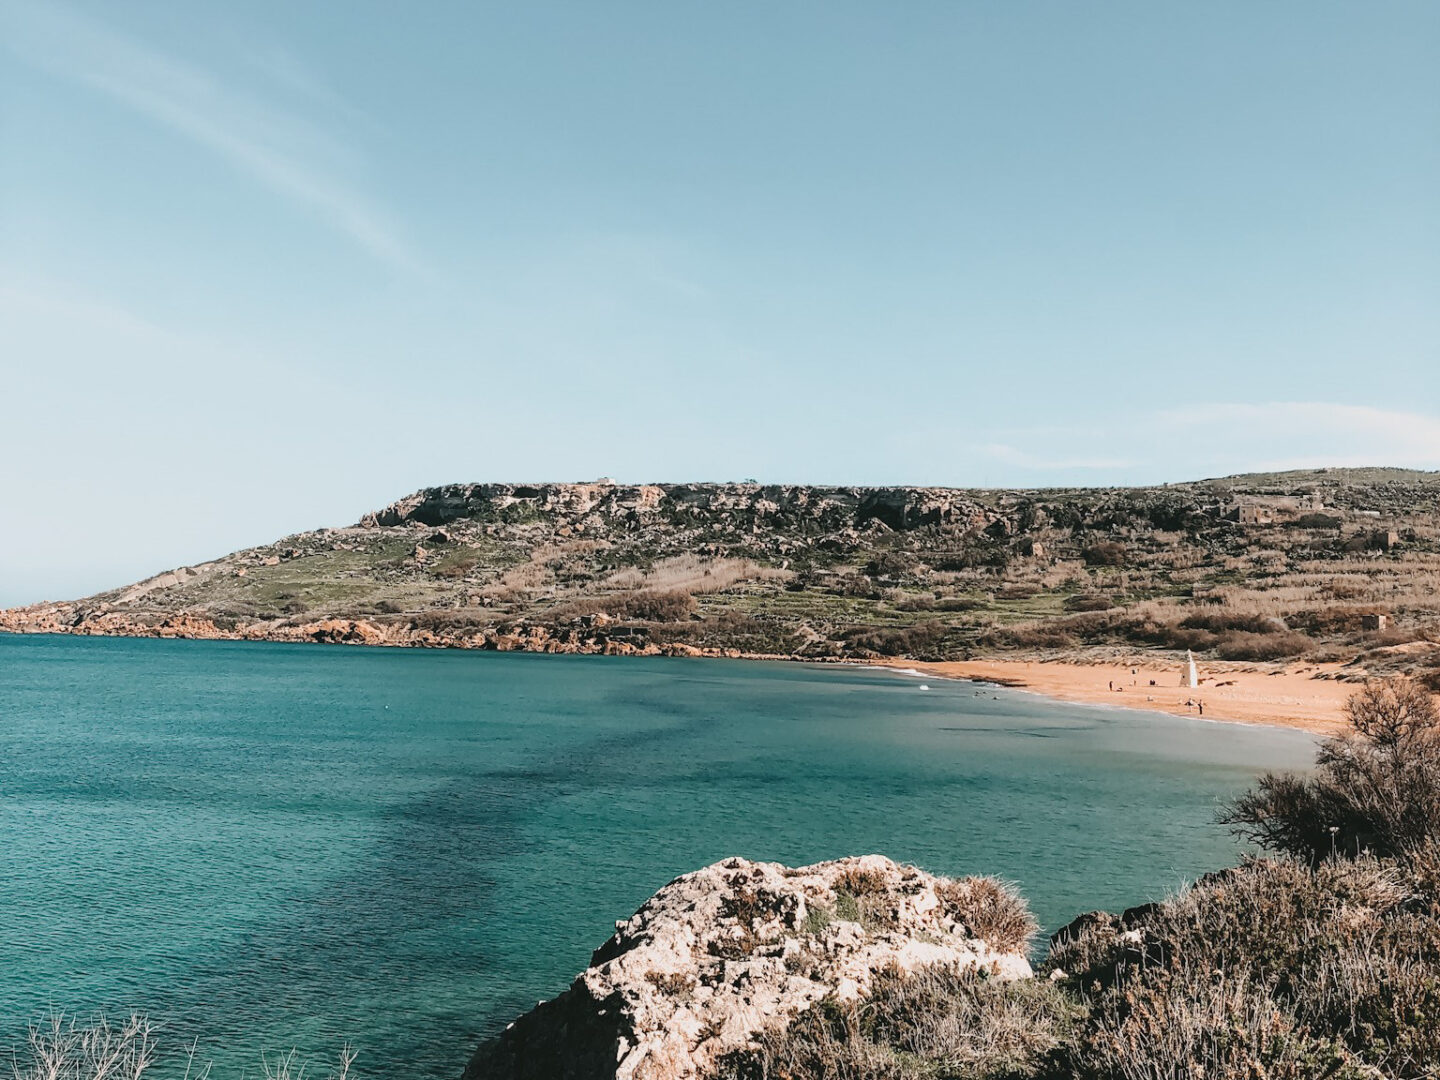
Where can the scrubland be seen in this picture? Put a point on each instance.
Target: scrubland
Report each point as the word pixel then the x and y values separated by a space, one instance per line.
pixel 1331 566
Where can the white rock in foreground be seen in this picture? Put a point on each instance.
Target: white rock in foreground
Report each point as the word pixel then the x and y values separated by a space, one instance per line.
pixel 719 954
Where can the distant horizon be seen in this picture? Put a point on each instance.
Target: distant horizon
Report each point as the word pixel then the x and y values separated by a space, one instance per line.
pixel 1318 469
pixel 261 264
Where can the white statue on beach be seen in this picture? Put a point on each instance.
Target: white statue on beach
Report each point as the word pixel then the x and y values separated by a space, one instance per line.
pixel 1194 677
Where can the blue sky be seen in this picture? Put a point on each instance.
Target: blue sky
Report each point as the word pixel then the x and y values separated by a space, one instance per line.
pixel 264 266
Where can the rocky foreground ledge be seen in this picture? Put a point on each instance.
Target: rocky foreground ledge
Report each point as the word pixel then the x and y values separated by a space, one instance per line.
pixel 719 955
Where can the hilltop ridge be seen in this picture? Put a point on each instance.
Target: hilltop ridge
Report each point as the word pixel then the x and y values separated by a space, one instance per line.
pixel 1322 565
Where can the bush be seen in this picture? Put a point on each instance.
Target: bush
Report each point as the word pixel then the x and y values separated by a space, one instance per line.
pixel 914 641
pixel 1088 602
pixel 1219 622
pixel 1240 645
pixel 1029 636
pixel 891 564
pixel 1334 620
pixel 992 910
pixel 457 564
pixel 937 1023
pixel 1271 969
pixel 1105 553
pixel 1374 789
pixel 1226 1030
pixel 856 585
pixel 653 606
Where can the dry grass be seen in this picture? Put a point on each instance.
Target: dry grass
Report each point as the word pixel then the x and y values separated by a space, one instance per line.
pixel 860 883
pixel 62 1048
pixel 992 910
pixel 1272 969
pixel 938 1023
pixel 695 575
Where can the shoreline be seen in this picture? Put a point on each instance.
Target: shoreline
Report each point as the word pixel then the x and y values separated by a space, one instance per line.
pixel 1303 697
pixel 1300 697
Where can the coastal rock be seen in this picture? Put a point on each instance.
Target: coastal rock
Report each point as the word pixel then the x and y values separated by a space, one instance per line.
pixel 722 953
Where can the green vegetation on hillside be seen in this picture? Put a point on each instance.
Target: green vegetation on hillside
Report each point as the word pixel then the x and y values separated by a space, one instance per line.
pixel 1327 565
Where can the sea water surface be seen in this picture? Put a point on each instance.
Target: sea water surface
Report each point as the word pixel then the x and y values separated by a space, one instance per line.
pixel 266 846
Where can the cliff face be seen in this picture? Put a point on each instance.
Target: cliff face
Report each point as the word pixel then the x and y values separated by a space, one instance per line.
pixel 771 507
pixel 721 954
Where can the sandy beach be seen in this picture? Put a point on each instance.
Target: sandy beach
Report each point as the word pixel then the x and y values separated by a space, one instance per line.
pixel 1297 696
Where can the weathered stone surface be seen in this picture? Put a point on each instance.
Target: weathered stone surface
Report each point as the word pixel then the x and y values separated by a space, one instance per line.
pixel 718 955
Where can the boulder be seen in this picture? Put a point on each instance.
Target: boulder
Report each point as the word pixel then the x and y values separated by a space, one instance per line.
pixel 720 954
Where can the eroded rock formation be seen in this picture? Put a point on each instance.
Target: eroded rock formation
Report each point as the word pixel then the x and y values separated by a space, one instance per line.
pixel 720 954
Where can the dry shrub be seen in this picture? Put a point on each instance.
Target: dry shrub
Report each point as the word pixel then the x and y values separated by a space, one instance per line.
pixel 1271 969
pixel 1233 635
pixel 60 1048
pixel 1375 789
pixel 1333 619
pixel 652 606
pixel 1240 645
pixel 961 603
pixel 892 564
pixel 1346 588
pixel 1105 553
pixel 675 984
pixel 939 1022
pixel 1015 592
pixel 457 564
pixel 991 910
pixel 1088 602
pixel 531 575
pixel 744 907
pixel 1229 619
pixel 858 882
pixel 854 585
pixel 918 641
pixel 1229 1030
pixel 695 574
pixel 862 896
pixel 1029 636
pixel 629 578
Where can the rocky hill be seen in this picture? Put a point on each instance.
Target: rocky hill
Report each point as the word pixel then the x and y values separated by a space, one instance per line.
pixel 1329 563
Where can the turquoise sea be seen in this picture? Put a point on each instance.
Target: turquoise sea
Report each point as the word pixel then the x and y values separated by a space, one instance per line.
pixel 266 846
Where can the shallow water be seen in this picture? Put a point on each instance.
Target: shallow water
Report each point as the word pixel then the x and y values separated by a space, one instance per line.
pixel 299 845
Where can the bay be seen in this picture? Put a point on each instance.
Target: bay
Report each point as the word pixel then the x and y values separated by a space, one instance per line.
pixel 268 846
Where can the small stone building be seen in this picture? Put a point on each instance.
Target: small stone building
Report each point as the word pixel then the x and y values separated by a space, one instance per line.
pixel 1384 540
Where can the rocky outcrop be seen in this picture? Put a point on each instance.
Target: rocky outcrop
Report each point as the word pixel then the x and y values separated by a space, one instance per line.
pixel 718 955
pixel 773 506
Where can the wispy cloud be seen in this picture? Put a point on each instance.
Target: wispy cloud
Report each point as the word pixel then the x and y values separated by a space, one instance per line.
pixel 268 144
pixel 1207 439
pixel 1308 434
